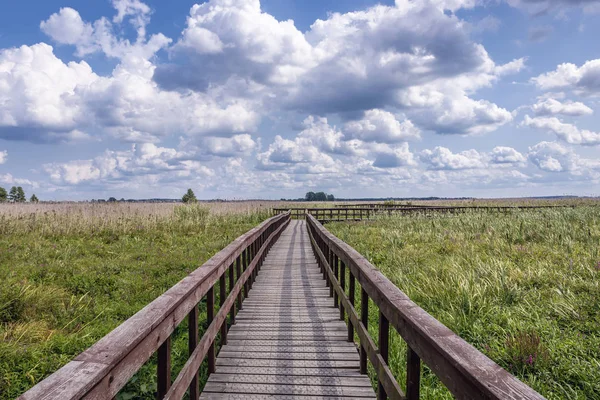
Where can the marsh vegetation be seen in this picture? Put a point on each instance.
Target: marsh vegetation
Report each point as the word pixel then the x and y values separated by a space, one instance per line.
pixel 523 287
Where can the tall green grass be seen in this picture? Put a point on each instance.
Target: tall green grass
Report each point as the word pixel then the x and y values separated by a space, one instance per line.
pixel 69 278
pixel 523 287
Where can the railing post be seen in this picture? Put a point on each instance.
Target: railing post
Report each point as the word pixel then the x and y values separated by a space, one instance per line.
pixel 364 316
pixel 164 369
pixel 343 285
pixel 351 286
pixel 231 283
pixel 384 343
pixel 330 262
pixel 413 374
pixel 325 276
pixel 246 254
pixel 210 314
pixel 222 296
pixel 192 343
pixel 334 258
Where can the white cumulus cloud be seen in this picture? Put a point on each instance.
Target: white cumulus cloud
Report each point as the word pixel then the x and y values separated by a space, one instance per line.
pixel 567 132
pixel 552 106
pixel 583 80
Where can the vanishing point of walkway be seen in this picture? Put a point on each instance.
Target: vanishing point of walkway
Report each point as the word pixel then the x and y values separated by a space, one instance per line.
pixel 288 341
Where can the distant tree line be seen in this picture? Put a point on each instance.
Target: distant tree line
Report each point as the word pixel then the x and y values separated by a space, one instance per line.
pixel 16 195
pixel 313 196
pixel 318 196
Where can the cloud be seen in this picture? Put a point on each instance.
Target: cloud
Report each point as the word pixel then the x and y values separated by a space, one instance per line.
pixel 550 106
pixel 9 179
pixel 138 12
pixel 567 132
pixel 441 158
pixel 43 99
pixel 463 115
pixel 315 147
pixel 284 152
pixel 541 7
pixel 363 52
pixel 392 156
pixel 151 162
pixel 582 80
pixel 506 155
pixel 39 94
pixel 554 157
pixel 226 38
pixel 229 147
pixel 67 27
pixel 511 67
pixel 3 156
pixel 381 126
pixel 346 64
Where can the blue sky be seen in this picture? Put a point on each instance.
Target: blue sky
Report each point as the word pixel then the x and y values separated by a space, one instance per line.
pixel 245 98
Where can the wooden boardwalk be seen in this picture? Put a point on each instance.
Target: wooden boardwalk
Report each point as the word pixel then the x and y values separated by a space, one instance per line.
pixel 288 340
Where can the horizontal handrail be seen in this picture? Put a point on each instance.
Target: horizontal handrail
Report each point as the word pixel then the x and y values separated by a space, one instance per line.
pixel 465 371
pixel 103 369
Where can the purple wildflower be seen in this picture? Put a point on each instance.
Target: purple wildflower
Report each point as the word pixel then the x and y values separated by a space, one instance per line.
pixel 529 360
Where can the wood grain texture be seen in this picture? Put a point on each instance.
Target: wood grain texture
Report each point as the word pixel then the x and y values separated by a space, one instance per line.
pixel 288 341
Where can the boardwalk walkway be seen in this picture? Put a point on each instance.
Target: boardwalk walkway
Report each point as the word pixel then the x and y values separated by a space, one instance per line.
pixel 288 340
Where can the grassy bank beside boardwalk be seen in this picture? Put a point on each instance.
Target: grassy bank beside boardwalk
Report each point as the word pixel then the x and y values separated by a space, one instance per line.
pixel 71 274
pixel 523 287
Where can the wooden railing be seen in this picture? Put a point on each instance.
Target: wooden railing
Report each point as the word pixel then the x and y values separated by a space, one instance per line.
pixel 329 214
pixel 415 207
pixel 103 369
pixel 360 213
pixel 466 372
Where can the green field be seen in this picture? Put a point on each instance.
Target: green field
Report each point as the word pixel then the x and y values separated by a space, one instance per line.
pixel 522 287
pixel 68 277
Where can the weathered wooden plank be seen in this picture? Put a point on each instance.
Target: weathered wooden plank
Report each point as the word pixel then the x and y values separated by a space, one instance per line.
pixel 353 381
pixel 241 396
pixel 324 348
pixel 284 355
pixel 288 340
pixel 290 390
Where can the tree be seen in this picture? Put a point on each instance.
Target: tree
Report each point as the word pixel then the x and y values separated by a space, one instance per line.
pixel 3 195
pixel 189 197
pixel 21 195
pixel 310 196
pixel 112 199
pixel 320 196
pixel 33 199
pixel 330 197
pixel 12 196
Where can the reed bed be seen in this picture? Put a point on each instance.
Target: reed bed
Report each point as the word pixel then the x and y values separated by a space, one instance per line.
pixel 70 273
pixel 523 287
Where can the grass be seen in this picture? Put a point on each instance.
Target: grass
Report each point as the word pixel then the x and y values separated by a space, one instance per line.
pixel 69 274
pixel 522 287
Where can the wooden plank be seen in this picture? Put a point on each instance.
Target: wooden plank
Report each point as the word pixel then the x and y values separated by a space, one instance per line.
pixel 288 340
pixel 289 390
pixel 241 396
pixel 353 381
